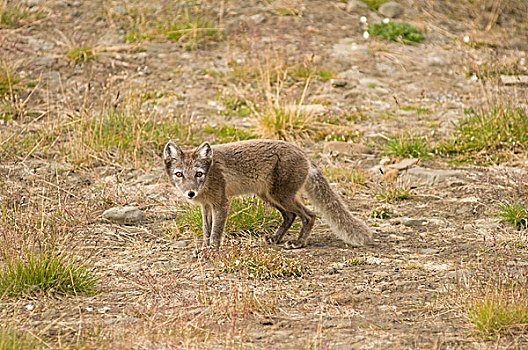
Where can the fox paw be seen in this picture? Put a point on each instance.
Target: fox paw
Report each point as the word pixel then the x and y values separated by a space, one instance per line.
pixel 271 239
pixel 294 244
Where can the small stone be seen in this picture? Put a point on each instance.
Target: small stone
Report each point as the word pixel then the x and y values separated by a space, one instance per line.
pixel 433 176
pixel 258 18
pixel 462 275
pixel 413 222
pixel 514 79
pixel 122 319
pixel 468 227
pixel 429 251
pixel 337 83
pixel 124 215
pixel 356 6
pixel 29 307
pixel 404 164
pixel 391 9
pixel 346 148
pixel 181 244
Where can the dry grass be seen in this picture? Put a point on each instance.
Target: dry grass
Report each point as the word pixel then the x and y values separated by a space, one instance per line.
pixel 497 307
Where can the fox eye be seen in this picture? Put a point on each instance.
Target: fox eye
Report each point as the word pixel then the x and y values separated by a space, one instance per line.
pixel 178 174
pixel 199 174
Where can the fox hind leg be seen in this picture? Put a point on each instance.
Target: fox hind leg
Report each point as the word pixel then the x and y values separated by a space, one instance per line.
pixel 290 207
pixel 288 219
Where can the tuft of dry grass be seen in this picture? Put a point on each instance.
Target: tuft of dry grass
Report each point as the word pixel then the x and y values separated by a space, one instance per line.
pixel 498 308
pixel 257 263
pixel 191 24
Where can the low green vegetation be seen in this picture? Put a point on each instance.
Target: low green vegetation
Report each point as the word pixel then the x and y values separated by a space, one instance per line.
pixel 355 262
pixel 406 145
pixel 514 213
pixel 374 4
pixel 17 15
pixel 49 273
pixel 257 263
pixel 191 25
pixel 247 215
pixel 399 32
pixel 380 213
pixel 418 110
pixel 499 310
pixel 9 80
pixel 393 193
pixel 79 55
pixel 227 133
pixel 489 135
pixel 11 340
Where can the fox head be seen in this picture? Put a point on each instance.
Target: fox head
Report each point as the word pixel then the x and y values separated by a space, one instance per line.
pixel 188 170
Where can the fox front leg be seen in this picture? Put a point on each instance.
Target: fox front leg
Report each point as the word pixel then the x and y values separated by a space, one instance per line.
pixel 219 220
pixel 207 224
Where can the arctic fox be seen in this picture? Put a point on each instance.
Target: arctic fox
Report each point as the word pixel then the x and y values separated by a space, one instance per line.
pixel 275 171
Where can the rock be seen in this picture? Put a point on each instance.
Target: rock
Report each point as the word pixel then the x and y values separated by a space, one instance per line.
pixel 124 215
pixel 338 83
pixel 514 79
pixel 433 176
pixel 409 222
pixel 391 9
pixel 404 164
pixel 429 251
pixel 181 244
pixel 122 319
pixel 350 52
pixel 40 45
pixel 346 148
pixel 46 61
pixel 356 6
pixel 258 18
pixel 370 83
pixel 34 3
pixel 462 275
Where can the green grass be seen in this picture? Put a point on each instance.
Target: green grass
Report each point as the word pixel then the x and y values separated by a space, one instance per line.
pixel 227 133
pixel 192 26
pixel 79 55
pixel 380 213
pixel 393 193
pixel 399 32
pixel 418 110
pixel 46 273
pixel 514 213
pixel 499 310
pixel 18 15
pixel 489 135
pixel 412 146
pixel 246 215
pixel 11 340
pixel 257 263
pixel 355 262
pixel 374 4
pixel 9 80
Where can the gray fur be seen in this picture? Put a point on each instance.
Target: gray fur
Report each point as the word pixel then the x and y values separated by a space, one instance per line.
pixel 276 171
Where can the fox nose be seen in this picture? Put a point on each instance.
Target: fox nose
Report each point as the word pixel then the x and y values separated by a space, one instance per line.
pixel 191 194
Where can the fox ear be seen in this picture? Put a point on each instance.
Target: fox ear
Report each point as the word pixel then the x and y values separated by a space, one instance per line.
pixel 172 152
pixel 204 151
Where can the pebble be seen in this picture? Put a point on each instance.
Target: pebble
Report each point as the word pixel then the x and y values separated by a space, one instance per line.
pixel 337 83
pixel 346 148
pixel 433 176
pixel 429 251
pixel 404 164
pixel 391 9
pixel 124 215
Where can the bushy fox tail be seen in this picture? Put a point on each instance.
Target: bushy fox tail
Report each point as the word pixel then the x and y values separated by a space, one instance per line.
pixel 348 228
